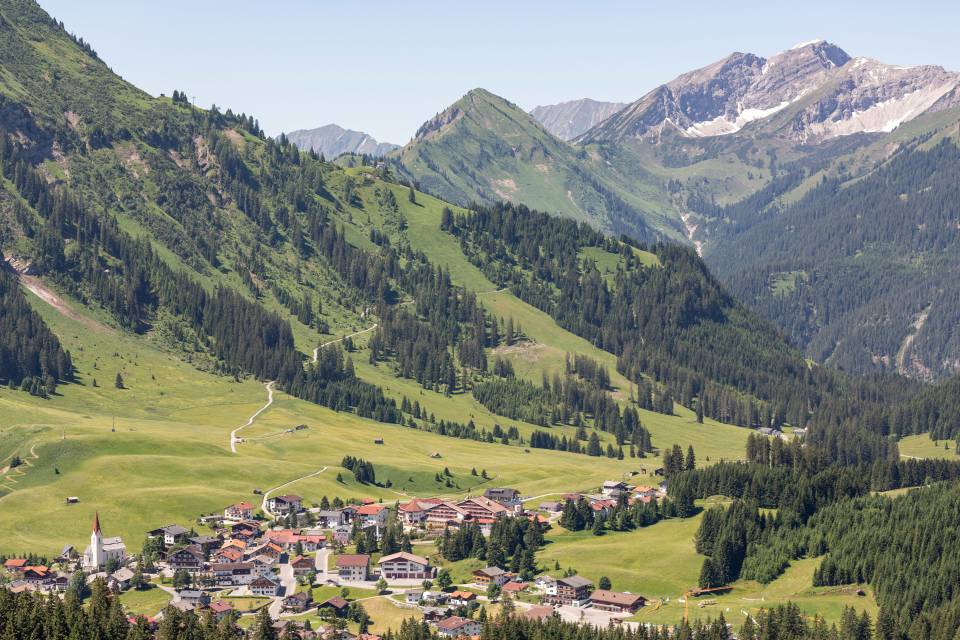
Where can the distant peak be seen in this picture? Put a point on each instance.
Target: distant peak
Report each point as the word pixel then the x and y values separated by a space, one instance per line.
pixel 808 43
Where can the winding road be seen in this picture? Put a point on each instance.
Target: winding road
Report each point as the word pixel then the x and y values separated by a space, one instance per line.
pixel 266 494
pixel 233 434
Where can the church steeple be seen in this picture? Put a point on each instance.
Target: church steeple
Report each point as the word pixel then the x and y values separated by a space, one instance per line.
pixel 96 522
pixel 97 559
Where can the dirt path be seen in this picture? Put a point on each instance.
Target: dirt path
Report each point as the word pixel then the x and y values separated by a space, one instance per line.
pixel 266 494
pixel 316 351
pixel 233 434
pixel 36 286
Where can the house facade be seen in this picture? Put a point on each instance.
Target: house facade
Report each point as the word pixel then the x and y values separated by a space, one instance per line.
pixel 616 601
pixel 404 566
pixel 570 591
pixel 355 567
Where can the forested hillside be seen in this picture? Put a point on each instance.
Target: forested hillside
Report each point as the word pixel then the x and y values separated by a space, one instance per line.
pixel 858 271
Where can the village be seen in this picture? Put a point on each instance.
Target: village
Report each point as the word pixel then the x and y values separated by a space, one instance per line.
pixel 270 559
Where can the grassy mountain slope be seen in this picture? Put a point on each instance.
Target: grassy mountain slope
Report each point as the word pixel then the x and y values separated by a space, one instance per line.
pixel 486 149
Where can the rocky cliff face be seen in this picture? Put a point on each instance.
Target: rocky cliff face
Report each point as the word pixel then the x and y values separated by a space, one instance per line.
pixel 568 120
pixel 332 141
pixel 821 91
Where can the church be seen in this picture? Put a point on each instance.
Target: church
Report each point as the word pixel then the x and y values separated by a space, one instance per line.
pixel 102 550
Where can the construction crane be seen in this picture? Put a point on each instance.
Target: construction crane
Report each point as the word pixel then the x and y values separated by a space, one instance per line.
pixel 697 592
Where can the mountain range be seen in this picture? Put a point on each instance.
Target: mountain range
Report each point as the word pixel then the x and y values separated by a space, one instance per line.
pixel 567 120
pixel 674 164
pixel 332 141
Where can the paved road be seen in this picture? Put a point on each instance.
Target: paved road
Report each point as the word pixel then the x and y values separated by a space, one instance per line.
pixel 266 494
pixel 321 563
pixel 233 434
pixel 289 586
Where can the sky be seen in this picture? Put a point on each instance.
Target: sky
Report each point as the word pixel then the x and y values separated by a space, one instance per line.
pixel 386 67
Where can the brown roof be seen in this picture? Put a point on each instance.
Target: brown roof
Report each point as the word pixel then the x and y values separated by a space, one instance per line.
pixel 453 622
pixel 336 602
pixel 538 613
pixel 353 560
pixel 403 555
pixel 220 606
pixel 617 597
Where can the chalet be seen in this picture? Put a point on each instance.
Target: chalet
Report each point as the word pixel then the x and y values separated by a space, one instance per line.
pixel 457 627
pixel 616 601
pixel 603 507
pixel 59 583
pixel 644 491
pixel 235 543
pixel 284 538
pixel 302 565
pixel 513 587
pixel 245 529
pixel 188 558
pixel 480 508
pixel 551 507
pixel 268 549
pixel 444 514
pixel 14 566
pixel 232 573
pixel 312 541
pixel 572 590
pixel 120 579
pixel 330 518
pixel 462 598
pixel 491 575
pixel 348 513
pixel 193 597
pixel 286 504
pixel 509 498
pixel 341 534
pixel 231 554
pixel 264 586
pixel 403 566
pixel 220 609
pixel 545 583
pixel 613 488
pixel 354 567
pixel 412 513
pixel 297 602
pixel 414 596
pixel 338 604
pixel 171 534
pixel 435 614
pixel 206 544
pixel 36 575
pixel 373 514
pixel 263 565
pixel 239 512
pixel 539 613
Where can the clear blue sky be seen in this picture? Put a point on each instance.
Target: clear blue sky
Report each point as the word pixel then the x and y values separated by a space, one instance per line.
pixel 385 67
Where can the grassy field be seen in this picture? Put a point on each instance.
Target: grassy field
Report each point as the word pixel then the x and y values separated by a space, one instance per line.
pixel 246 604
pixel 921 446
pixel 147 602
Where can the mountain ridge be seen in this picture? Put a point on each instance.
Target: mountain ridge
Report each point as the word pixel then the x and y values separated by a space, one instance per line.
pixel 332 141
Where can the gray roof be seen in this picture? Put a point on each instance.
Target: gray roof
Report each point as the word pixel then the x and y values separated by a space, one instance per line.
pixel 122 574
pixel 575 581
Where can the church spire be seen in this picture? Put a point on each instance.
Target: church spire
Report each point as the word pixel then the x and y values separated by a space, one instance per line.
pixel 96 522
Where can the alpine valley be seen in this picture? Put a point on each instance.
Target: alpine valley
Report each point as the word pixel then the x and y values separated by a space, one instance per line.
pixel 487 383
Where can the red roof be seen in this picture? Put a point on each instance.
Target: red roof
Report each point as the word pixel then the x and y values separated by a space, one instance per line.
pixel 353 560
pixel 370 509
pixel 15 563
pixel 515 587
pixel 243 506
pixel 220 606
